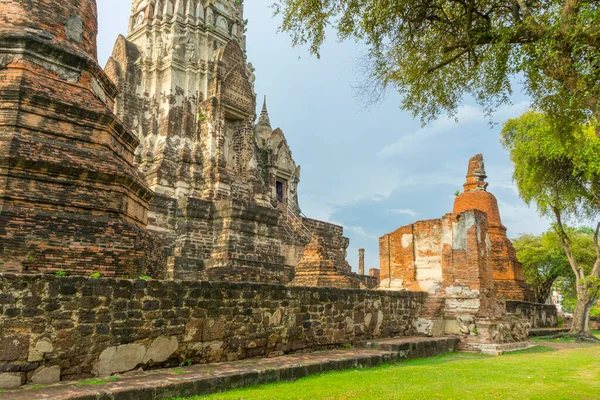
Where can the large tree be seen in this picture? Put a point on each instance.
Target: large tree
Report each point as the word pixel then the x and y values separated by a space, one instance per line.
pixel 557 168
pixel 544 259
pixel 436 51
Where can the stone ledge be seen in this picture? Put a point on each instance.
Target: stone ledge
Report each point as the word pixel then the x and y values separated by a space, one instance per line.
pixel 547 331
pixel 499 349
pixel 212 378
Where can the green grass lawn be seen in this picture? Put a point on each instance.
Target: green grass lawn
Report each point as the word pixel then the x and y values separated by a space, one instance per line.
pixel 539 373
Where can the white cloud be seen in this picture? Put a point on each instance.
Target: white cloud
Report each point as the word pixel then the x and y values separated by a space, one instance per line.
pixel 402 211
pixel 520 219
pixel 359 231
pixel 418 141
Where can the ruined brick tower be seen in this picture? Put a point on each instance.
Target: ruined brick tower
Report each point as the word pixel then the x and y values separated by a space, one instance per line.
pixel 70 195
pixel 226 202
pixel 507 271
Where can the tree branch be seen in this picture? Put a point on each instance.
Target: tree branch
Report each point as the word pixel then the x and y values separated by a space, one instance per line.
pixel 569 9
pixel 446 62
pixel 565 241
pixel 524 9
pixel 521 35
pixel 596 269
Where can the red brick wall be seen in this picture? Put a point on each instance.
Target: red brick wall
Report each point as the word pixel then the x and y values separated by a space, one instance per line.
pixel 52 17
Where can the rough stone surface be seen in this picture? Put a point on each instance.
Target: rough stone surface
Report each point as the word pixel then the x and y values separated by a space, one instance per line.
pixel 105 326
pixel 538 315
pixel 119 359
pixel 14 345
pixel 43 346
pixel 160 350
pixel 46 375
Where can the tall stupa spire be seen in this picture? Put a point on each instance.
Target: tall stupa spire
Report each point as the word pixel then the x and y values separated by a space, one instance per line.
pixel 476 175
pixel 264 114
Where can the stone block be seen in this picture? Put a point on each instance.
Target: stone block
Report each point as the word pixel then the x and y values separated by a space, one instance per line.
pixel 120 359
pixel 42 347
pixel 161 349
pixel 10 380
pixel 46 375
pixel 14 347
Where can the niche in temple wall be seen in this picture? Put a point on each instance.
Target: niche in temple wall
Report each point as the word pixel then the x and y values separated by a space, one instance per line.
pixel 231 129
pixel 222 25
pixel 229 8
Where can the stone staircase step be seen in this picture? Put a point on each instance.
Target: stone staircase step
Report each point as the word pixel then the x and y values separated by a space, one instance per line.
pixel 417 347
pixel 499 349
pixel 212 378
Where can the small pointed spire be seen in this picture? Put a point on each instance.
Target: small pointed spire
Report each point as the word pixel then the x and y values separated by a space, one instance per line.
pixel 264 109
pixel 476 175
pixel 264 115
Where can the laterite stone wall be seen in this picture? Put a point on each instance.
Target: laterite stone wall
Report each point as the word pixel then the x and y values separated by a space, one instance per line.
pixel 74 327
pixel 539 315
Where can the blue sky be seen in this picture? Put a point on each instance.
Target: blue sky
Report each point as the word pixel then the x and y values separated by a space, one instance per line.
pixel 373 169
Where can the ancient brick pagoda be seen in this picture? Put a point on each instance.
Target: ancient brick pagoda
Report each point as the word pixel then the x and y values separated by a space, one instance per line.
pixel 466 264
pixel 179 182
pixel 507 271
pixel 413 256
pixel 71 197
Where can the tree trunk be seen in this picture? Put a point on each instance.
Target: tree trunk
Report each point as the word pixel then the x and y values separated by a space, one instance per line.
pixel 581 316
pixel 543 291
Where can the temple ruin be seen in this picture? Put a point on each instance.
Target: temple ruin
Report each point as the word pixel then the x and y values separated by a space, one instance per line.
pixel 225 184
pixel 468 267
pixel 149 217
pixel 200 187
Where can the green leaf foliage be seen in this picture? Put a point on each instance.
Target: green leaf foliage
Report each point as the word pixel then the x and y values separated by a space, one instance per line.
pixel 435 52
pixel 556 167
pixel 544 260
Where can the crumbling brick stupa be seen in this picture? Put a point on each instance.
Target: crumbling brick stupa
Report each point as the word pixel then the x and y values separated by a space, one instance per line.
pixel 507 270
pixel 70 195
pixel 468 267
pixel 155 165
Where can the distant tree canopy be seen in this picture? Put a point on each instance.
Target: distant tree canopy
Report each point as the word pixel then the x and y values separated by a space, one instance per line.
pixel 434 52
pixel 544 259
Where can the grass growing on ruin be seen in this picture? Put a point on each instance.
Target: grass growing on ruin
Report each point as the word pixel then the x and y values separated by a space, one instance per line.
pixel 538 373
pixel 97 381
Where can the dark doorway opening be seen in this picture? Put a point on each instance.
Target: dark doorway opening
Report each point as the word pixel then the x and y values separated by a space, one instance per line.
pixel 280 190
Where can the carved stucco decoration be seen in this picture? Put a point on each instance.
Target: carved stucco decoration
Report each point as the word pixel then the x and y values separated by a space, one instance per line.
pixel 466 324
pixel 231 84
